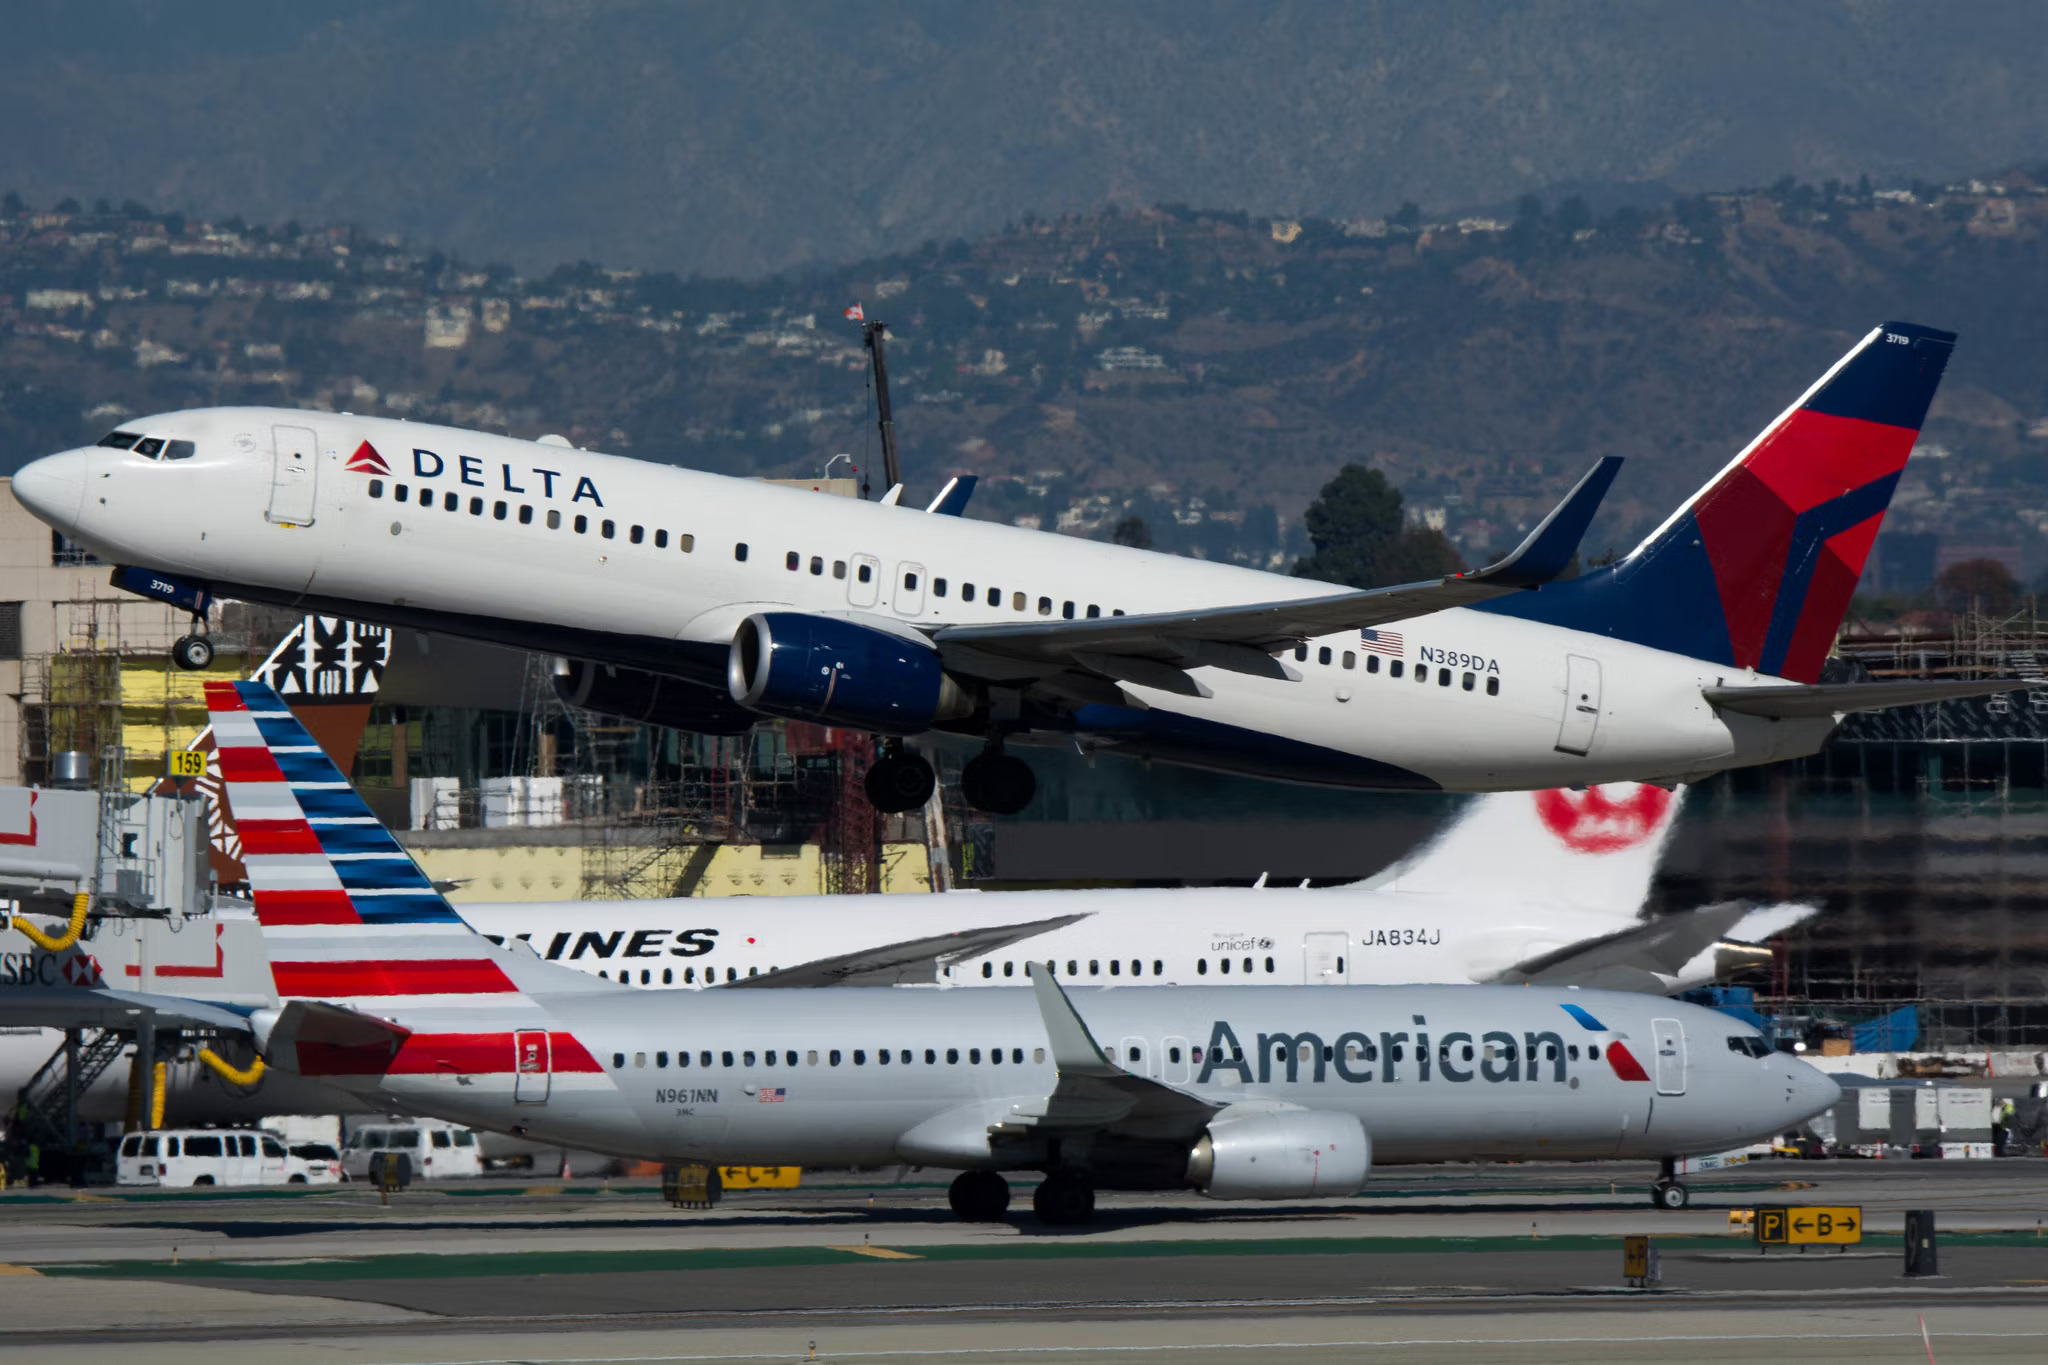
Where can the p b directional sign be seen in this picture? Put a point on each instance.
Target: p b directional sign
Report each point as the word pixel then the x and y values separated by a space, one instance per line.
pixel 1838 1225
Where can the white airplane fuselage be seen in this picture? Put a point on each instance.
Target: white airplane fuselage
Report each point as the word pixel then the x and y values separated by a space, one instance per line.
pixel 267 509
pixel 1434 1073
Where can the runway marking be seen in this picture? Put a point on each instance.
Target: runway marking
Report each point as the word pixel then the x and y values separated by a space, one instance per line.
pixel 879 1253
pixel 18 1270
pixel 1392 1343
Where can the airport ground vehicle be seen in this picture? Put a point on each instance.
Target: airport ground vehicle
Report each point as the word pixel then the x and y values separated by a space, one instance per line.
pixel 439 1151
pixel 323 1162
pixel 207 1156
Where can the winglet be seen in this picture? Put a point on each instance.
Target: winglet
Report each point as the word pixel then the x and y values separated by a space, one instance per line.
pixel 952 499
pixel 1074 1049
pixel 1550 547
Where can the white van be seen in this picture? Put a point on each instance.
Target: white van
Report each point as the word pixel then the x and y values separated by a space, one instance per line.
pixel 439 1151
pixel 206 1156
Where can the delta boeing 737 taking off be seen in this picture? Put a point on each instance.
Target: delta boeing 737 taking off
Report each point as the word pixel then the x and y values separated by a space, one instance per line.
pixel 705 602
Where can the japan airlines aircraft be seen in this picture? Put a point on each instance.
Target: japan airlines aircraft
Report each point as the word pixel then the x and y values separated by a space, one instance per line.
pixel 1275 1092
pixel 1545 888
pixel 705 602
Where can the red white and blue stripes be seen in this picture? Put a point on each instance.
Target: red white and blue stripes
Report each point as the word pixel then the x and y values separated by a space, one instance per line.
pixel 349 918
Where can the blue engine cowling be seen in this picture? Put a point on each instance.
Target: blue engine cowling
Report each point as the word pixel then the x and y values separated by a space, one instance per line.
pixel 834 672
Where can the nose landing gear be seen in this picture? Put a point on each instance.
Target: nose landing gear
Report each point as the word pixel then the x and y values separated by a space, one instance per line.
pixel 1668 1193
pixel 195 651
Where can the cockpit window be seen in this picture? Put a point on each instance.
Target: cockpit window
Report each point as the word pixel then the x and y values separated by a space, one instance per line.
pixel 180 450
pixel 149 445
pixel 119 440
pixel 1750 1047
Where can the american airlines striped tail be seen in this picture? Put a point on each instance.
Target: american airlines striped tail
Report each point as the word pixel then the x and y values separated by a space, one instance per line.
pixel 393 980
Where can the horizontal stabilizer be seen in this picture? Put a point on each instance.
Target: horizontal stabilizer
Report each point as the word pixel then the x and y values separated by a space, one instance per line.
pixel 913 962
pixel 1635 955
pixel 310 1036
pixel 1829 699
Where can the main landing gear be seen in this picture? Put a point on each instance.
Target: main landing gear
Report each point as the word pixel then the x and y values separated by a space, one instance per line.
pixel 1063 1200
pixel 997 782
pixel 1667 1193
pixel 898 780
pixel 979 1196
pixel 195 651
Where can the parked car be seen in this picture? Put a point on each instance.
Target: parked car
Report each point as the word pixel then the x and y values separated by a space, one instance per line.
pixel 207 1156
pixel 439 1151
pixel 323 1162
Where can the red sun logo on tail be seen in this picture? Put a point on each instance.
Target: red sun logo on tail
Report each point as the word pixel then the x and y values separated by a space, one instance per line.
pixel 366 460
pixel 1592 821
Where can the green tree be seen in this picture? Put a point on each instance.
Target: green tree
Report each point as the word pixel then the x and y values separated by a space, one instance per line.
pixel 1981 584
pixel 1132 531
pixel 1360 539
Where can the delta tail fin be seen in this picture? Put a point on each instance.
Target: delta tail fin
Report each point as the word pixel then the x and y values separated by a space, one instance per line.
pixel 1756 570
pixel 352 925
pixel 1592 851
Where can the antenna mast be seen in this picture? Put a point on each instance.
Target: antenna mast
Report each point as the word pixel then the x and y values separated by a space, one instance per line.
pixel 871 337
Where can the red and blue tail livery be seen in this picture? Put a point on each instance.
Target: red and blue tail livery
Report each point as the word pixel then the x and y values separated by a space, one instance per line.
pixel 350 920
pixel 1757 569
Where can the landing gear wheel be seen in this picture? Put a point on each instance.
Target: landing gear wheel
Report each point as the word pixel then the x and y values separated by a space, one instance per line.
pixel 1669 1194
pixel 998 783
pixel 192 653
pixel 1063 1201
pixel 899 782
pixel 979 1196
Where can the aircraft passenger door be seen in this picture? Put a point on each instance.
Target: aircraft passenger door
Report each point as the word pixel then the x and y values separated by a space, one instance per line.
pixel 533 1066
pixel 1130 1055
pixel 1326 959
pixel 864 584
pixel 910 590
pixel 1581 705
pixel 294 473
pixel 1173 1060
pixel 1670 1039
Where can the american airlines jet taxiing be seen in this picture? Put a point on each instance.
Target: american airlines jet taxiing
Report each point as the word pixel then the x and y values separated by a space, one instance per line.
pixel 705 602
pixel 1273 1092
pixel 1520 887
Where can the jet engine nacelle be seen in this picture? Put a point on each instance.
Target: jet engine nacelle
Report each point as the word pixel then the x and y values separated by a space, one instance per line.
pixel 835 672
pixel 1291 1154
pixel 653 698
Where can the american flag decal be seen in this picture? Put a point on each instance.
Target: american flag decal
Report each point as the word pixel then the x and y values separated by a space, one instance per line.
pixel 773 1094
pixel 1381 642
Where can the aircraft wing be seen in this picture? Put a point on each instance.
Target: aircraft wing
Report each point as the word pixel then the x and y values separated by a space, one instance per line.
pixel 1092 1092
pixel 1150 650
pixel 1831 699
pixel 914 961
pixel 1632 958
pixel 100 1007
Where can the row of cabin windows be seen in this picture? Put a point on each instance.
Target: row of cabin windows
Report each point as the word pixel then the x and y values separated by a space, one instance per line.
pixel 668 975
pixel 523 514
pixel 1396 667
pixel 1095 967
pixel 941 587
pixel 1353 1052
pixel 788 1057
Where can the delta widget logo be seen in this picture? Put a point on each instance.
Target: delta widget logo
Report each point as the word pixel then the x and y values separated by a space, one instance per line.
pixel 1597 821
pixel 366 460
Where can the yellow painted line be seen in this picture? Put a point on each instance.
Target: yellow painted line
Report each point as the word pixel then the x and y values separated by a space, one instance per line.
pixel 542 1189
pixel 879 1253
pixel 18 1270
pixel 79 1197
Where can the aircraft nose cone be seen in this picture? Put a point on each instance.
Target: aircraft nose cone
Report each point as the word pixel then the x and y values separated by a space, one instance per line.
pixel 1815 1089
pixel 53 488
